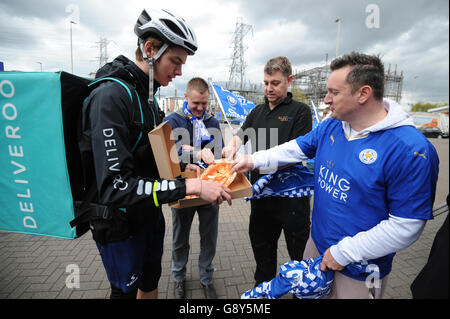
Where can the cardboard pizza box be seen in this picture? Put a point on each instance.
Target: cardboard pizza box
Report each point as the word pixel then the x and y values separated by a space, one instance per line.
pixel 167 161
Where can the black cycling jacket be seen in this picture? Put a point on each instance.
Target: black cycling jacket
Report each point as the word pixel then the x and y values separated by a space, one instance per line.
pixel 125 178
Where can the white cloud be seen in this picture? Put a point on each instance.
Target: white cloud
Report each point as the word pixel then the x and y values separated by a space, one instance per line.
pixel 414 35
pixel 276 39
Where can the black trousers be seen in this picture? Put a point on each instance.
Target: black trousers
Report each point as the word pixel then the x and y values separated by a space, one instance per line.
pixel 268 217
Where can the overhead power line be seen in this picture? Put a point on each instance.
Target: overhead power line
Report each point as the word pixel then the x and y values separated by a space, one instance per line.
pixel 238 65
pixel 103 47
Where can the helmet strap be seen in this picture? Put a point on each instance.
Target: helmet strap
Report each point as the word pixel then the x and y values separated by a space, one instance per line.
pixel 157 55
pixel 150 81
pixel 151 64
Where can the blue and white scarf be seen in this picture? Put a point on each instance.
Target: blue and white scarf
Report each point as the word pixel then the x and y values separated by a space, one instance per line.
pixel 201 133
pixel 303 279
pixel 292 181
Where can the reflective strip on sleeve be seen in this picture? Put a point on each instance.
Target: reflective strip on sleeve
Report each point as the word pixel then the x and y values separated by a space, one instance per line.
pixel 140 189
pixel 148 188
pixel 164 185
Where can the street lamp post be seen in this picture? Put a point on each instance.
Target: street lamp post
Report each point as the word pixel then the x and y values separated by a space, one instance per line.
pixel 415 78
pixel 415 82
pixel 40 64
pixel 338 20
pixel 71 52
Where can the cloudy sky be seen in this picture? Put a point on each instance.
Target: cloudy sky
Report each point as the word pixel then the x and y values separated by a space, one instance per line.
pixel 412 35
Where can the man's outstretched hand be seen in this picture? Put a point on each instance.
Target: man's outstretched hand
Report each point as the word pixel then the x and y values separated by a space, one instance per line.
pixel 242 164
pixel 210 191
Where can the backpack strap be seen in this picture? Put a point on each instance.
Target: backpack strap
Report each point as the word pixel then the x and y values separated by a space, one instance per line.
pixel 129 88
pixel 83 207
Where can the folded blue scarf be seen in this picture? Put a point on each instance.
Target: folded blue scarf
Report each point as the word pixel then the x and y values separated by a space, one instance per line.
pixel 292 181
pixel 201 133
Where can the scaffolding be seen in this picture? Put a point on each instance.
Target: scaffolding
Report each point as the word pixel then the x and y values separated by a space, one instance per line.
pixel 393 84
pixel 251 91
pixel 313 83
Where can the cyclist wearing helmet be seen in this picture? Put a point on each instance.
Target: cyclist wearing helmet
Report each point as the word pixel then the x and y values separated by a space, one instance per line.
pixel 118 159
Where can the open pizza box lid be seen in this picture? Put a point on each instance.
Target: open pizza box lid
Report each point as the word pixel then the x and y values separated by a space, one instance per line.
pixel 166 156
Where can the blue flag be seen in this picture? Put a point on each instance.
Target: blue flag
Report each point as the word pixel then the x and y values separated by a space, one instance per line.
pixel 232 105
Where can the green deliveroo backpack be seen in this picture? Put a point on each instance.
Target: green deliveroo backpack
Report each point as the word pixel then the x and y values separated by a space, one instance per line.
pixel 41 174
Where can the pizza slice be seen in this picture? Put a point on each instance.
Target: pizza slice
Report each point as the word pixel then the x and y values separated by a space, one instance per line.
pixel 218 172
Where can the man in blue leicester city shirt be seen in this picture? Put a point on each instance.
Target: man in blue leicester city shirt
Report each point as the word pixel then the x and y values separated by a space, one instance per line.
pixel 375 178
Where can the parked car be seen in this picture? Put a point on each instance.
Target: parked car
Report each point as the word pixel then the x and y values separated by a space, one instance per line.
pixel 430 131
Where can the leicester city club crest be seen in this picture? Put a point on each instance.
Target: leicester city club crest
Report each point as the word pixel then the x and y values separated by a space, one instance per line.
pixel 231 100
pixel 368 156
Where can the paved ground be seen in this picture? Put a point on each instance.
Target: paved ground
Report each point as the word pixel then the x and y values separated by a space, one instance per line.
pixel 38 267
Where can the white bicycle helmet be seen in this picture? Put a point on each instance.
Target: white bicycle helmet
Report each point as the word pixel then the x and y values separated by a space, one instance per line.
pixel 168 27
